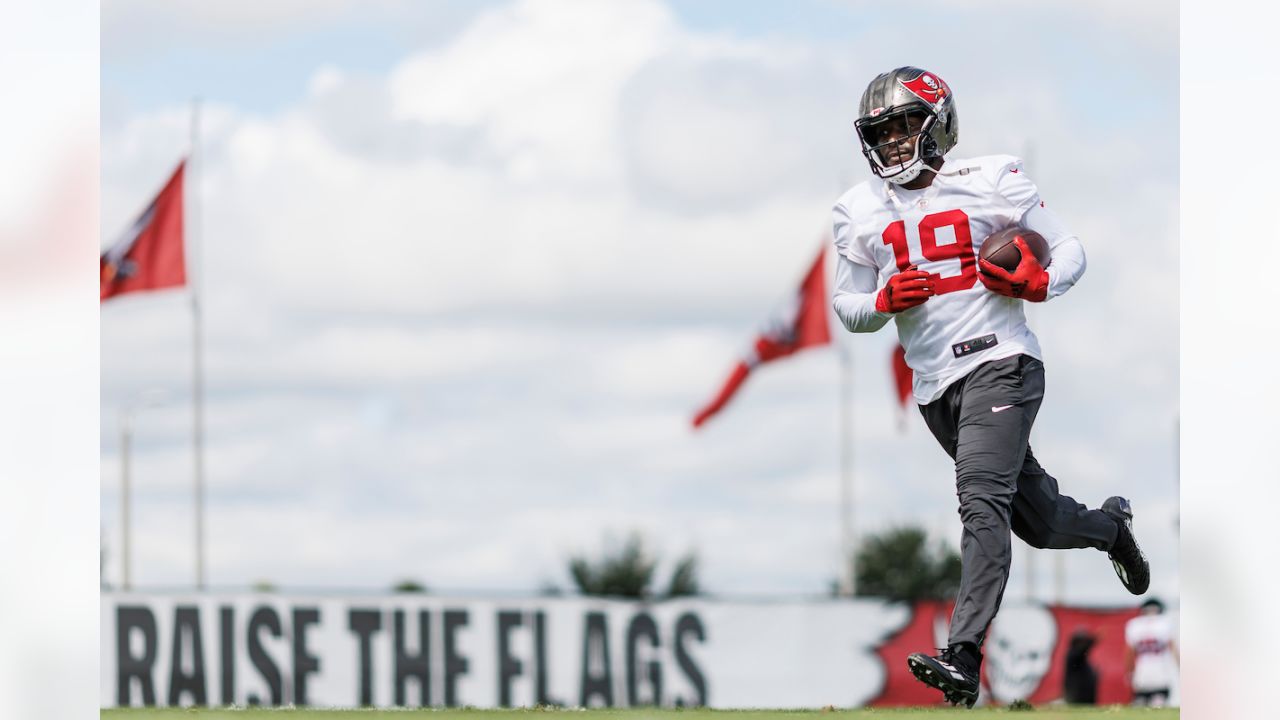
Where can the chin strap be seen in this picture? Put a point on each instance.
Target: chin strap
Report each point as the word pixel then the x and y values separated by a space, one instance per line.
pixel 953 173
pixel 892 188
pixel 926 166
pixel 892 191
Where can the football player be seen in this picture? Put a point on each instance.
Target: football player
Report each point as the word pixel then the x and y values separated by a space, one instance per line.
pixel 1151 655
pixel 907 245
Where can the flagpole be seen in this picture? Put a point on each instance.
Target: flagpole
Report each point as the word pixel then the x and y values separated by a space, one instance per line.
pixel 848 552
pixel 848 548
pixel 197 390
pixel 125 548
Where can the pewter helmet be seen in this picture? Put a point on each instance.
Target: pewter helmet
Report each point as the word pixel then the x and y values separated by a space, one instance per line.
pixel 891 97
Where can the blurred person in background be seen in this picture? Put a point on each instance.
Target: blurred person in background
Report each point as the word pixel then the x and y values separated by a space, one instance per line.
pixel 1080 679
pixel 1151 655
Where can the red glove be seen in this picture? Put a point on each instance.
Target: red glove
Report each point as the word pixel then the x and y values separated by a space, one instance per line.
pixel 907 289
pixel 1028 281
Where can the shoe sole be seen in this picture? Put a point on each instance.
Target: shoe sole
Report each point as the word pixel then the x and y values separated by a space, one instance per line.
pixel 925 673
pixel 1124 575
pixel 1123 513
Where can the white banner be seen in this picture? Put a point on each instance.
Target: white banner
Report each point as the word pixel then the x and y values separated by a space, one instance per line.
pixel 418 650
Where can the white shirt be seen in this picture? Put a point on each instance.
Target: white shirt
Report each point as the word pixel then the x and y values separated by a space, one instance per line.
pixel 1151 636
pixel 880 229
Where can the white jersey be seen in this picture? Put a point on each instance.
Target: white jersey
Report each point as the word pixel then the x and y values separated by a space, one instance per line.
pixel 881 229
pixel 1151 638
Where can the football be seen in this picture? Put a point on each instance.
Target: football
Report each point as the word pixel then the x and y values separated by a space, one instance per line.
pixel 998 248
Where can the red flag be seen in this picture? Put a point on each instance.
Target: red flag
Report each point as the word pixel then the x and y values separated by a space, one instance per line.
pixel 902 383
pixel 800 323
pixel 149 255
pixel 901 375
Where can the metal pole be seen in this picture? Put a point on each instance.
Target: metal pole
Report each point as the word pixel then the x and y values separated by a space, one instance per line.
pixel 1031 573
pixel 1059 577
pixel 848 532
pixel 197 391
pixel 848 549
pixel 125 552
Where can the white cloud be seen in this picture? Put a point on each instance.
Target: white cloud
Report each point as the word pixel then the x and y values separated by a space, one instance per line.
pixel 543 77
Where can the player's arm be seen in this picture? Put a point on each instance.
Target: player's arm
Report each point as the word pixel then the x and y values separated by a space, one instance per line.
pixel 1068 262
pixel 1030 281
pixel 854 297
pixel 859 304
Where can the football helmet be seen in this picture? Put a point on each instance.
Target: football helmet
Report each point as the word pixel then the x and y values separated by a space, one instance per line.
pixel 923 110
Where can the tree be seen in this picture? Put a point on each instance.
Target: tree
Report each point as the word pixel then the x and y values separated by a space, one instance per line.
pixel 550 588
pixel 263 586
pixel 628 571
pixel 684 579
pixel 899 564
pixel 408 585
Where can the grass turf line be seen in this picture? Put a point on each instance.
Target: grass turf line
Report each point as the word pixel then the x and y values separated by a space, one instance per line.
pixel 1114 712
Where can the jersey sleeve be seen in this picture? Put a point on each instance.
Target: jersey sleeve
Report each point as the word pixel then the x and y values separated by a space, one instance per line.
pixel 854 297
pixel 1068 262
pixel 1025 208
pixel 846 245
pixel 1013 185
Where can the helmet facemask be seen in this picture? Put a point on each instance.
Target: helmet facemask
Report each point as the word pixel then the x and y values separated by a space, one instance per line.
pixel 885 162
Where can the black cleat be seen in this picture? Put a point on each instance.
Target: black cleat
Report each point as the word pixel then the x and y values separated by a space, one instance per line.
pixel 1127 558
pixel 952 672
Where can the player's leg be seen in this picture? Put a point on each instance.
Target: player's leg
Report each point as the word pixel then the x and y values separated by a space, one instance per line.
pixel 958 684
pixel 983 421
pixel 999 406
pixel 1045 518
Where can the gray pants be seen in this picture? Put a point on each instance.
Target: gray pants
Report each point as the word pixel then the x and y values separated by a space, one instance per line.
pixel 983 421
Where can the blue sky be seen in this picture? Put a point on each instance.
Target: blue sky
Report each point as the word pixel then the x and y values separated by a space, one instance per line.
pixel 281 63
pixel 471 266
pixel 259 71
pixel 265 71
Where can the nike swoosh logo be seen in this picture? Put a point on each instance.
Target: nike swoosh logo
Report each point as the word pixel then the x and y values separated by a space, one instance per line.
pixel 1000 408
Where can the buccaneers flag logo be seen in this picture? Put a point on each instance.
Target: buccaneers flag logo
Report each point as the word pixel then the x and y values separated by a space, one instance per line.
pixel 928 87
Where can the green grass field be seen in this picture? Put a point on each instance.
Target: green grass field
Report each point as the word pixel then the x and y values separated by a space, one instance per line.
pixel 1114 712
